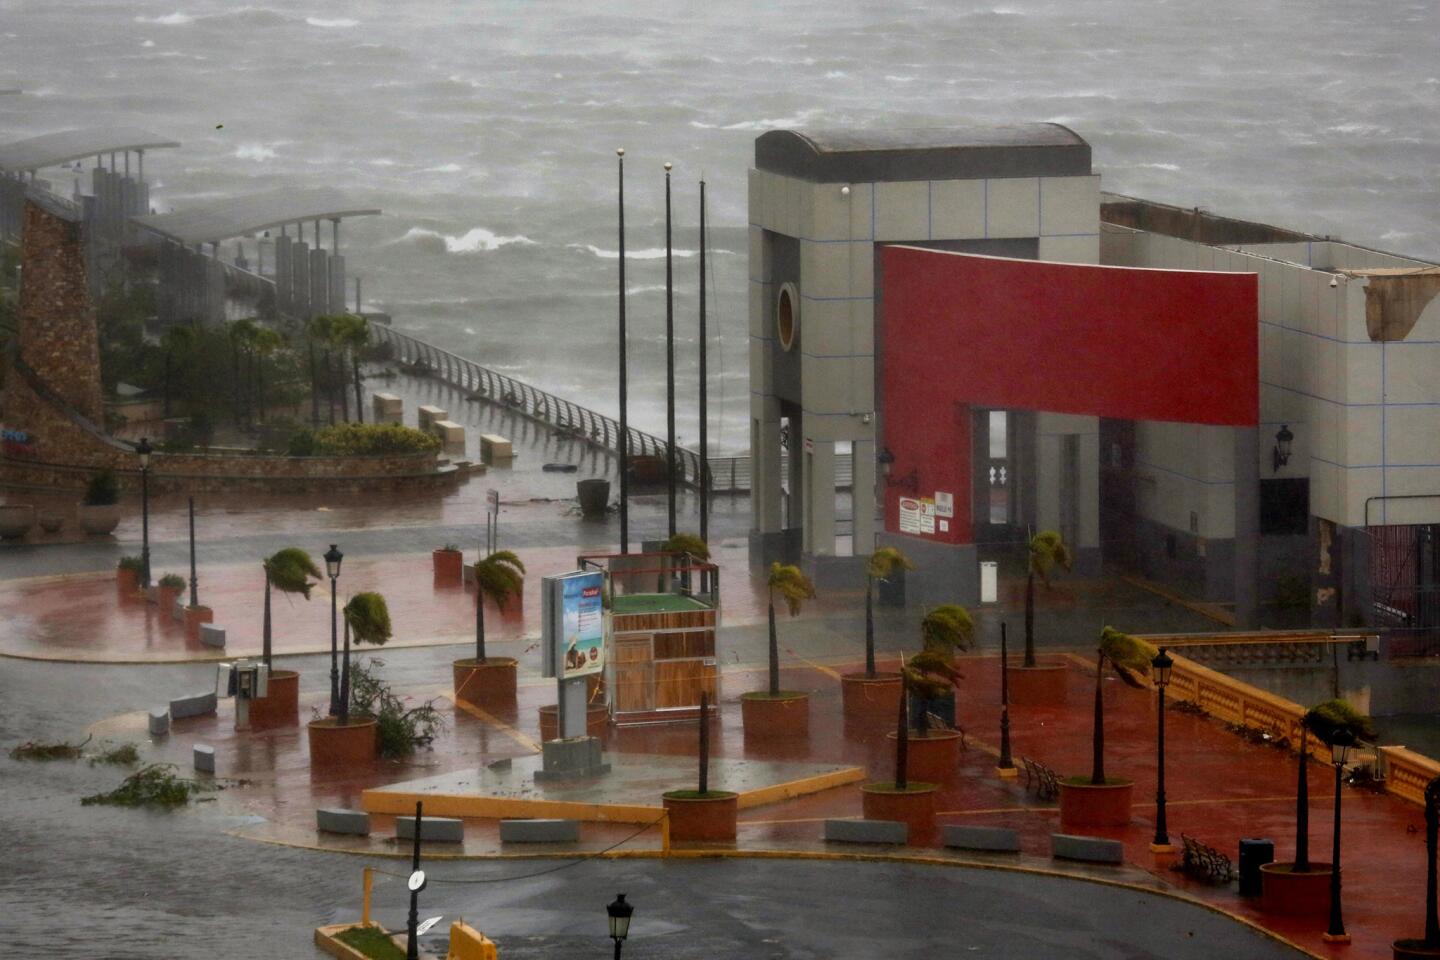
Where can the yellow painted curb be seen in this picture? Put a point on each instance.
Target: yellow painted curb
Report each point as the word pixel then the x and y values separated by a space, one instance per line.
pixel 799 788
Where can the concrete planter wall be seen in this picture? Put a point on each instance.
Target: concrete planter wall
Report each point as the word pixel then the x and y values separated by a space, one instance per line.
pixel 1287 893
pixel 448 564
pixel 489 685
pixel 786 717
pixel 709 819
pixel 281 706
pixel 194 616
pixel 870 698
pixel 127 582
pixel 933 757
pixel 165 596
pixel 915 807
pixel 597 721
pixel 334 744
pixel 1042 685
pixel 1090 805
pixel 16 519
pixel 98 521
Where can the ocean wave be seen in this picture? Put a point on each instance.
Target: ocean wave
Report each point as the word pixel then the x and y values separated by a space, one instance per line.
pixel 256 151
pixel 648 253
pixel 337 23
pixel 478 240
pixel 444 168
pixel 176 19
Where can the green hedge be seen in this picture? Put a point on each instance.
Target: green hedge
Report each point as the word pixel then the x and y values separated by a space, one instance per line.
pixel 361 440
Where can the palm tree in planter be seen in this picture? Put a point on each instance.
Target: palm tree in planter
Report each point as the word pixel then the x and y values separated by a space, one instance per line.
pixel 1302 886
pixel 774 712
pixel 689 546
pixel 871 694
pixel 292 572
pixel 343 738
pixel 702 814
pixel 1034 683
pixel 482 680
pixel 1098 800
pixel 1429 946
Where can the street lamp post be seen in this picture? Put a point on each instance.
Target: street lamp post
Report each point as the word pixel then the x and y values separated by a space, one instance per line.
pixel 194 581
pixel 144 449
pixel 1161 665
pixel 333 556
pixel 1005 767
pixel 1339 753
pixel 416 883
pixel 619 912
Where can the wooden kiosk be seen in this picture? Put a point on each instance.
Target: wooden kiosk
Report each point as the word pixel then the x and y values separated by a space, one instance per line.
pixel 662 615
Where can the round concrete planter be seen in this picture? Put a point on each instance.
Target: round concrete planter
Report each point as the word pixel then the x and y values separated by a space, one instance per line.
pixel 709 818
pixel 280 707
pixel 597 721
pixel 194 616
pixel 1042 685
pixel 489 685
pixel 786 717
pixel 98 520
pixel 127 582
pixel 870 698
pixel 448 564
pixel 915 806
pixel 16 519
pixel 933 757
pixel 1286 893
pixel 51 522
pixel 1413 948
pixel 334 744
pixel 1084 804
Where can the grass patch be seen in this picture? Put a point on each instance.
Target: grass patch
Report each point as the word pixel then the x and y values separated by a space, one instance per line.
pixel 30 750
pixel 152 786
pixel 124 755
pixel 697 794
pixel 371 941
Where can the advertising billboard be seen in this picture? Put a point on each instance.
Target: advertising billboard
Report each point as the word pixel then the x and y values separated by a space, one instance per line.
pixel 575 625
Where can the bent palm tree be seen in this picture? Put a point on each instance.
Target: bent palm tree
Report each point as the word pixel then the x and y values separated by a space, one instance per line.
pixel 1330 721
pixel 353 334
pixel 795 588
pixel 931 673
pixel 368 617
pixel 687 543
pixel 288 571
pixel 1047 551
pixel 1130 658
pixel 884 564
pixel 500 577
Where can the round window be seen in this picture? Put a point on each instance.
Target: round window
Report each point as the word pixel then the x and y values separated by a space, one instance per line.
pixel 787 316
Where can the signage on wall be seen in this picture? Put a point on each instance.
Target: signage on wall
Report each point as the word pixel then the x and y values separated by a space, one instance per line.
pixel 17 443
pixel 917 515
pixel 944 505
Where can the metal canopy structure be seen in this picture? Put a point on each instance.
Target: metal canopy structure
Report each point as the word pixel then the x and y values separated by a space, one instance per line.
pixel 53 149
pixel 244 216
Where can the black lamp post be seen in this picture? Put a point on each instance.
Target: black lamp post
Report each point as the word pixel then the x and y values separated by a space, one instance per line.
pixel 1161 665
pixel 416 883
pixel 144 449
pixel 194 581
pixel 619 912
pixel 624 386
pixel 1006 765
pixel 333 556
pixel 1339 752
pixel 669 362
pixel 1280 453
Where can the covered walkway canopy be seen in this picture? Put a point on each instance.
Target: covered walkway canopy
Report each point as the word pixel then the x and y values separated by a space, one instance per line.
pixel 245 216
pixel 53 149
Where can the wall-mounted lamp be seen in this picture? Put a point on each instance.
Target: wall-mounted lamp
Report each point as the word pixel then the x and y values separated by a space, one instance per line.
pixel 1280 454
pixel 910 481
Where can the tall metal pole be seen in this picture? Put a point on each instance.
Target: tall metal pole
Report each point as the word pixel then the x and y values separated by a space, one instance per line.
pixel 334 656
pixel 1006 763
pixel 1162 833
pixel 624 384
pixel 669 361
pixel 194 581
pixel 145 525
pixel 1335 930
pixel 412 938
pixel 704 414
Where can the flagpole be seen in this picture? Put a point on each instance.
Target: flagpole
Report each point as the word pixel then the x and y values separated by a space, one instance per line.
pixel 669 359
pixel 704 385
pixel 624 420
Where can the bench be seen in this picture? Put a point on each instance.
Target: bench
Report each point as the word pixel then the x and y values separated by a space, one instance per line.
pixel 1070 846
pixel 1040 779
pixel 495 447
pixel 866 831
pixel 212 636
pixel 195 705
pixel 992 839
pixel 438 829
pixel 539 831
pixel 336 820
pixel 1201 860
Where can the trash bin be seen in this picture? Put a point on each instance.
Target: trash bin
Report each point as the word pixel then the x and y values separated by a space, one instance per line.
pixel 594 497
pixel 1253 853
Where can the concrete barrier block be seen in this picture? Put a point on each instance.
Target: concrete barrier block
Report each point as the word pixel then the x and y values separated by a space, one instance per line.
pixel 1069 846
pixel 494 447
pixel 159 721
pixel 388 408
pixel 438 829
pixel 194 705
pixel 539 831
pixel 427 416
pixel 212 636
pixel 204 758
pixel 867 831
pixel 994 839
pixel 335 820
pixel 177 611
pixel 451 435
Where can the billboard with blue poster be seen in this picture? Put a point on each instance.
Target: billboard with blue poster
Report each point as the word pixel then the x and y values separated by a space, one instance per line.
pixel 582 625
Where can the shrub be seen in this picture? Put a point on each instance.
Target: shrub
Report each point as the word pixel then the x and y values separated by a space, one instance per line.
pixel 400 730
pixel 102 490
pixel 373 439
pixel 301 443
pixel 173 581
pixel 131 563
pixel 154 786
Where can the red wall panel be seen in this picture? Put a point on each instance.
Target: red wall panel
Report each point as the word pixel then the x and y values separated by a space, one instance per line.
pixel 961 330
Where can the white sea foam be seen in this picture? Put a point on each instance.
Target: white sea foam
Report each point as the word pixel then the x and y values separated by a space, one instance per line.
pixel 478 240
pixel 648 253
pixel 176 19
pixel 339 23
pixel 444 168
pixel 256 151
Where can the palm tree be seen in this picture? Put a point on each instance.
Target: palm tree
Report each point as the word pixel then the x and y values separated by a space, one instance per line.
pixel 884 564
pixel 242 337
pixel 931 673
pixel 1329 721
pixel 177 342
pixel 353 333
pixel 500 577
pixel 266 342
pixel 318 331
pixel 368 617
pixel 687 543
pixel 1047 551
pixel 1130 658
pixel 288 571
pixel 795 588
